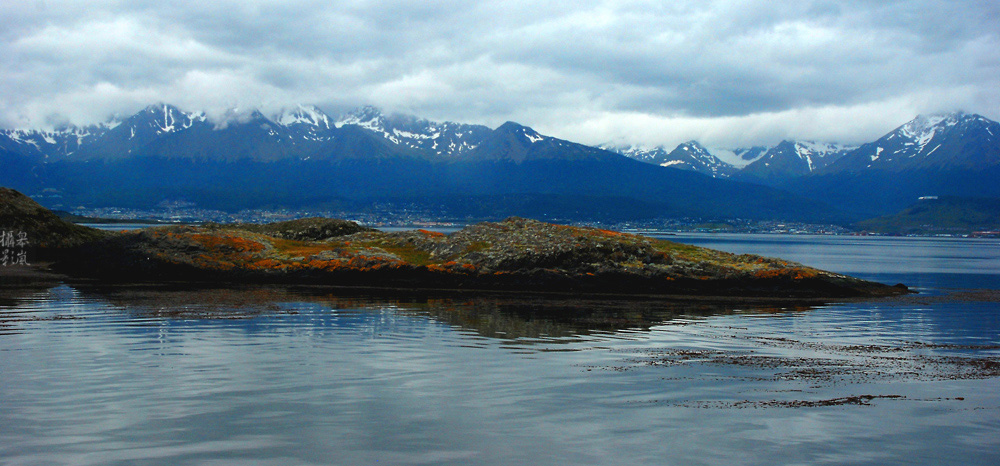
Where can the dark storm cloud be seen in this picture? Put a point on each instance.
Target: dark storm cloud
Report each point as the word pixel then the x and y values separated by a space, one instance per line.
pixel 728 72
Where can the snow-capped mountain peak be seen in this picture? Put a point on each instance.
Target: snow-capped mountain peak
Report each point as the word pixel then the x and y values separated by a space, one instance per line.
pixel 794 158
pixel 920 126
pixel 690 155
pixel 164 118
pixel 368 117
pixel 634 151
pixel 817 154
pixel 61 141
pixel 305 122
pixel 941 140
pixel 922 129
pixel 442 139
pixel 694 148
pixel 303 115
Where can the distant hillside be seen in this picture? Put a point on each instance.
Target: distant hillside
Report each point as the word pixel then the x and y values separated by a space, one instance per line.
pixel 41 228
pixel 946 215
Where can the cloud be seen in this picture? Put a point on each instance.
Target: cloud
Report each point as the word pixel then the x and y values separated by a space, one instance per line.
pixel 731 72
pixel 845 124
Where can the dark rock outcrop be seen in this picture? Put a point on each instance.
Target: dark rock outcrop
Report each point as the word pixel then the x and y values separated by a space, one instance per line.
pixel 45 233
pixel 303 229
pixel 516 254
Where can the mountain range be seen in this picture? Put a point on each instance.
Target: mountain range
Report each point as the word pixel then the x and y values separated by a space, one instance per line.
pixel 945 141
pixel 793 158
pixel 301 131
pixel 953 154
pixel 301 157
pixel 759 164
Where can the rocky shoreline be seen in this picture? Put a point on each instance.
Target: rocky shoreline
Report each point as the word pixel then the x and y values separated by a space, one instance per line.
pixel 516 254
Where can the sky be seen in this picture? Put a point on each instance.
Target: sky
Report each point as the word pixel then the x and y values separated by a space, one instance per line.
pixel 726 73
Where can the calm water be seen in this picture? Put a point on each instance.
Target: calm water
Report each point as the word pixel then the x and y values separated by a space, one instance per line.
pixel 272 376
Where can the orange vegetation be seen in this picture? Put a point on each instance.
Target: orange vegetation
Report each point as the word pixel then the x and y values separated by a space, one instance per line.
pixel 609 233
pixel 264 264
pixel 226 243
pixel 795 273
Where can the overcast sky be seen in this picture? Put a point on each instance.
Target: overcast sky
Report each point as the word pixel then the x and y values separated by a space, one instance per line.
pixel 727 73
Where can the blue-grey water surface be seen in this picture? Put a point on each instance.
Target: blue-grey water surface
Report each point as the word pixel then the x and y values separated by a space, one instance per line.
pixel 138 375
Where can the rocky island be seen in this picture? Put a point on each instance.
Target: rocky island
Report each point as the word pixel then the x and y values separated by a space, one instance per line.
pixel 516 254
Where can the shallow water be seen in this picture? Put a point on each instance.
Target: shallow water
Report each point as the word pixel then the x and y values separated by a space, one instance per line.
pixel 139 375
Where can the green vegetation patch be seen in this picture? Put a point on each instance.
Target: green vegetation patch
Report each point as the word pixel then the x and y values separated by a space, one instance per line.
pixel 409 253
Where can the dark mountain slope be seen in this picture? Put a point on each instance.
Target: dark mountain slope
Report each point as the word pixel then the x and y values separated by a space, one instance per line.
pixel 951 215
pixel 945 155
pixel 135 133
pixel 952 141
pixel 790 159
pixel 20 167
pixel 41 228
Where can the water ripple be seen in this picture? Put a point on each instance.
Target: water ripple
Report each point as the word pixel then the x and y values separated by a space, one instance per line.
pixel 271 376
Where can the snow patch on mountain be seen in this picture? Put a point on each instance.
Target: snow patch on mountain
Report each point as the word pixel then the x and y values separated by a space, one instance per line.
pixel 738 158
pixel 637 152
pixel 920 131
pixel 302 115
pixel 441 138
pixel 168 119
pixel 532 135
pixel 947 140
pixel 813 152
pixel 701 160
pixel 61 141
pixel 367 117
pixel 690 155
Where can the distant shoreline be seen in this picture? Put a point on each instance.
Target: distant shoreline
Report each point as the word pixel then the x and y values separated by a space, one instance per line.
pixel 132 224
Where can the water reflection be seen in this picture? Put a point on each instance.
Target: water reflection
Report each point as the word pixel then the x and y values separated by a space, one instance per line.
pixel 522 319
pixel 525 319
pixel 273 375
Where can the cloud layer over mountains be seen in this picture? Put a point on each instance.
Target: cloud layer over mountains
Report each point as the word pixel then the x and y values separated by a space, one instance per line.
pixel 727 73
